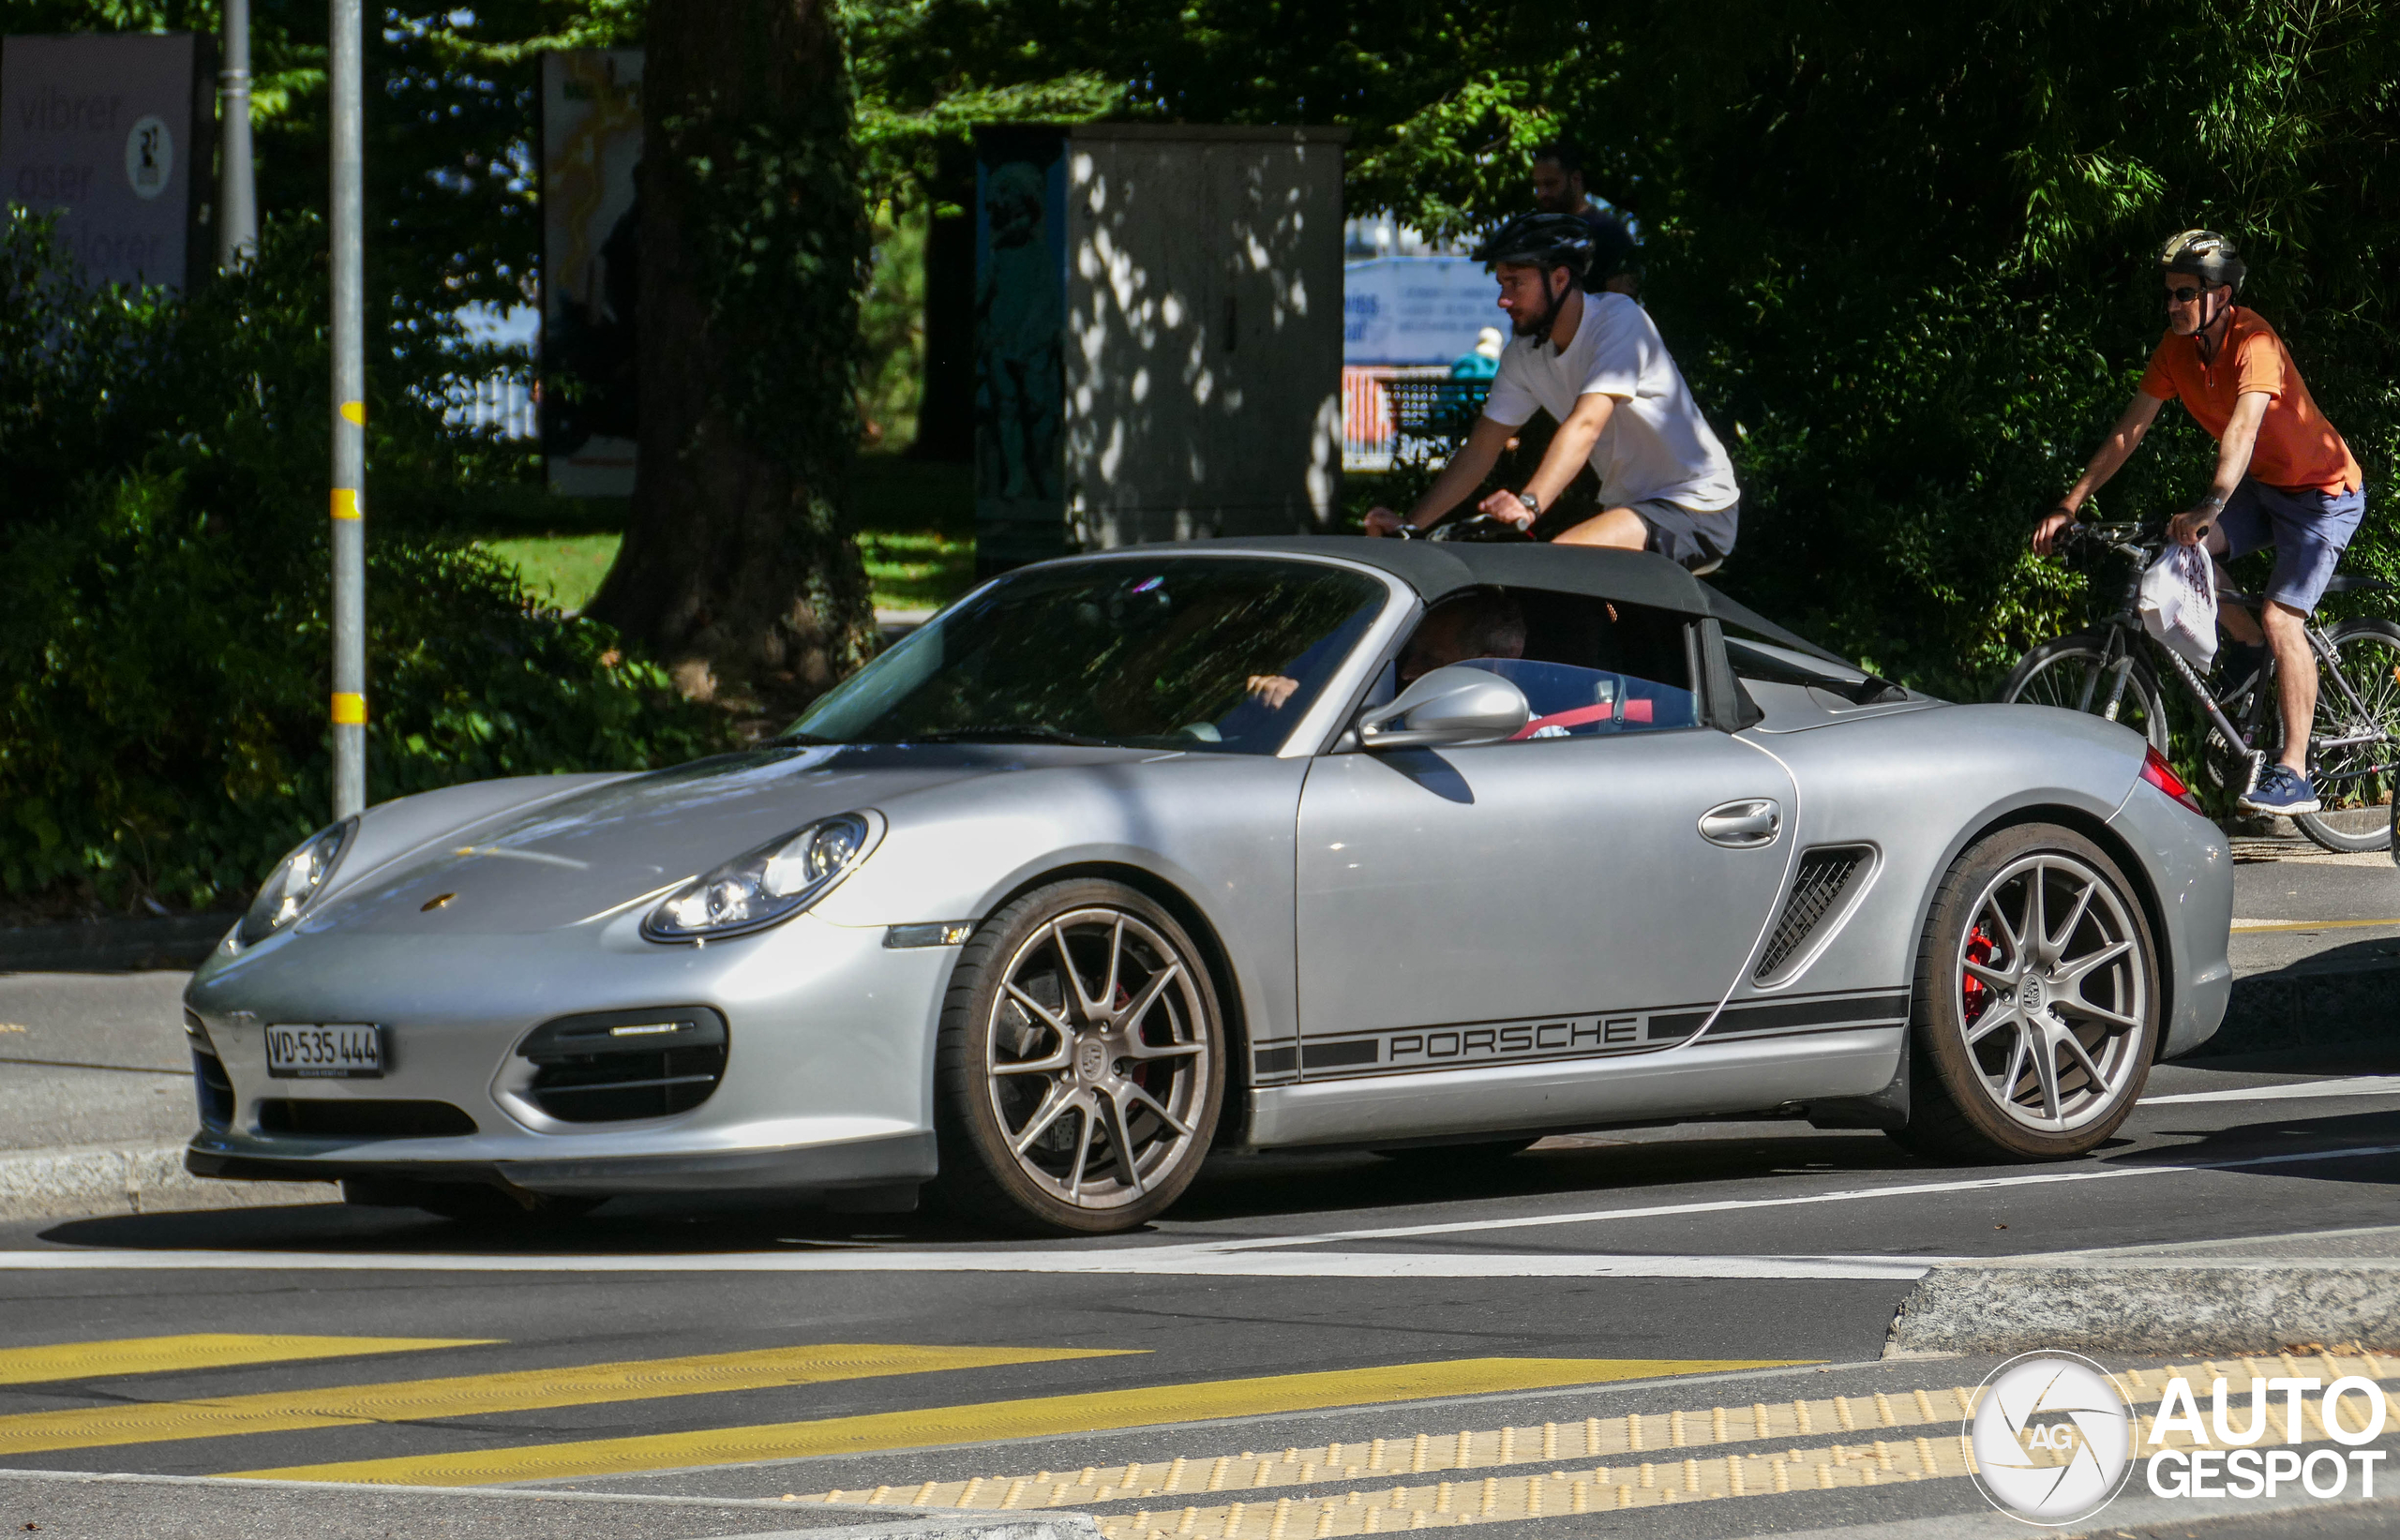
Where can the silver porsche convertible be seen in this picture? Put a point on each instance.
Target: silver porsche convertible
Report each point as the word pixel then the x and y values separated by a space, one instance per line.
pixel 1260 843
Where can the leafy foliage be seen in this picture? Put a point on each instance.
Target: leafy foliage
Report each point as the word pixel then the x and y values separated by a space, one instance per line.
pixel 163 645
pixel 1902 253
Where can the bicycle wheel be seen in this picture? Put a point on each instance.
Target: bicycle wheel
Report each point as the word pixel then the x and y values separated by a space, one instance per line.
pixel 2355 779
pixel 2067 672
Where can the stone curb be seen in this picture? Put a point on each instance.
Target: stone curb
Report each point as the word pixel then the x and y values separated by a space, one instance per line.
pixel 2309 1002
pixel 2158 1307
pixel 1060 1526
pixel 147 1179
pixel 231 1506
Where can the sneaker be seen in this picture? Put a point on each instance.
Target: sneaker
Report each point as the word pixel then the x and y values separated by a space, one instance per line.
pixel 2281 790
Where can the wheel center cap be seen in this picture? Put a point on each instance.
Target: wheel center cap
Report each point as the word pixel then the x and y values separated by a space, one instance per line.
pixel 1091 1059
pixel 2029 993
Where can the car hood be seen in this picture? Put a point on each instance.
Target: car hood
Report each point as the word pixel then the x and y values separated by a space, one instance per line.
pixel 593 853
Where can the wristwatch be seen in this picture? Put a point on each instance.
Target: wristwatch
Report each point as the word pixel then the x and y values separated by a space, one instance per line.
pixel 1533 504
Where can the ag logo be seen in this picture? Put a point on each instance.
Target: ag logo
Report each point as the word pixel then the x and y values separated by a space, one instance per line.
pixel 2053 1439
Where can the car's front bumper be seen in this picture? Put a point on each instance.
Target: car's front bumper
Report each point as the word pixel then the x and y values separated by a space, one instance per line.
pixel 896 1160
pixel 826 1084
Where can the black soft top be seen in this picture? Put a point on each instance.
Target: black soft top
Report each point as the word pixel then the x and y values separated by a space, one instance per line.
pixel 1435 568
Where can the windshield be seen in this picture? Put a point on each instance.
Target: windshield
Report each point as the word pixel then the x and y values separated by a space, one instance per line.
pixel 1223 654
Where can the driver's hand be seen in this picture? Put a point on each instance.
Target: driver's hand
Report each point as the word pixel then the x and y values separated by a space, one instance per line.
pixel 1504 507
pixel 1383 521
pixel 2045 533
pixel 2191 526
pixel 1272 690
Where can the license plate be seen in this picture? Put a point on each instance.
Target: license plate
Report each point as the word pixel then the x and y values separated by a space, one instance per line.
pixel 325 1053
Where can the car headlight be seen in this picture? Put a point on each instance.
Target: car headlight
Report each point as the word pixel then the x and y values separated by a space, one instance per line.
pixel 770 884
pixel 296 879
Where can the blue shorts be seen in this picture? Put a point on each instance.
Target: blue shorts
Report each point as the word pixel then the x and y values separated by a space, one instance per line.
pixel 2309 530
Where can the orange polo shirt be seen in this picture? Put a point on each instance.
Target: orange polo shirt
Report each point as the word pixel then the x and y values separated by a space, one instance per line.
pixel 2296 449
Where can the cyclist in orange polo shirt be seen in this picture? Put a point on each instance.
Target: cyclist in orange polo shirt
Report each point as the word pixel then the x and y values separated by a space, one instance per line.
pixel 2284 477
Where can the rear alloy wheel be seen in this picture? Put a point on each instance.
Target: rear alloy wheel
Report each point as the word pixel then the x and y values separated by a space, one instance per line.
pixel 2038 1002
pixel 1082 1063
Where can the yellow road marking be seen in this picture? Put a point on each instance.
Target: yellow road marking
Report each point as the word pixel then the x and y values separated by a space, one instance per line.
pixel 204 1350
pixel 530 1390
pixel 1672 1475
pixel 1634 1435
pixel 1033 1418
pixel 2261 927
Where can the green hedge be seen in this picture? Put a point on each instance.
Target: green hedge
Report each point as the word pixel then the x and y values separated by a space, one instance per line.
pixel 164 615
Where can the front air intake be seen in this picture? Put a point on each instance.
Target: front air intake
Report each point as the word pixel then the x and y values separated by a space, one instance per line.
pixel 348 1118
pixel 614 1065
pixel 1825 877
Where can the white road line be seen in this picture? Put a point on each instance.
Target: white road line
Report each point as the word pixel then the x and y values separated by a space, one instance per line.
pixel 1158 1261
pixel 2350 1085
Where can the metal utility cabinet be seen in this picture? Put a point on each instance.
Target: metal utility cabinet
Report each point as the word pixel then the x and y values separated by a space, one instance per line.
pixel 1158 335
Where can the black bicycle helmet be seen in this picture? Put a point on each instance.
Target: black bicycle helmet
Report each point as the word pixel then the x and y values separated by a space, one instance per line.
pixel 2206 256
pixel 1546 240
pixel 1540 240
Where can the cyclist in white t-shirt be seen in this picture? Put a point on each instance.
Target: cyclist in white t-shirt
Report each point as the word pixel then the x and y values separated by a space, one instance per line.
pixel 1596 364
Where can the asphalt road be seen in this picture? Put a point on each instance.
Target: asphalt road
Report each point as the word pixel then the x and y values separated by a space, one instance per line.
pixel 1288 1303
pixel 1317 1340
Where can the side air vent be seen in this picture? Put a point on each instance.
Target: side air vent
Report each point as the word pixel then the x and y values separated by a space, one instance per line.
pixel 1817 892
pixel 362 1119
pixel 616 1064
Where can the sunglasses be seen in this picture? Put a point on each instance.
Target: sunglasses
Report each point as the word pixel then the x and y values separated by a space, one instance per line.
pixel 2181 296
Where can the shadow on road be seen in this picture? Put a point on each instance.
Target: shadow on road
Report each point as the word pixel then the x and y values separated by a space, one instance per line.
pixel 1337 1189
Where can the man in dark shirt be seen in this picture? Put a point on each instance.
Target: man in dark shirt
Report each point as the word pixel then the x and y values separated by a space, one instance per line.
pixel 1558 188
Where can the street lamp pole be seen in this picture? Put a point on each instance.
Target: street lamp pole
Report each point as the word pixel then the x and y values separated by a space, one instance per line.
pixel 345 66
pixel 238 204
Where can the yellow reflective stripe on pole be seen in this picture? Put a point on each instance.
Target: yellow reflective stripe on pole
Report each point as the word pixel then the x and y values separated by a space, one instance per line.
pixel 354 411
pixel 350 710
pixel 345 503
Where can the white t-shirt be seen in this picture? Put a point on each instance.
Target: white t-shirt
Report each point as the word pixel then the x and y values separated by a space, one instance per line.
pixel 1657 444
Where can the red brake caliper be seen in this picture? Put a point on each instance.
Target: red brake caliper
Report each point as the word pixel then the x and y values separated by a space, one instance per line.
pixel 1975 995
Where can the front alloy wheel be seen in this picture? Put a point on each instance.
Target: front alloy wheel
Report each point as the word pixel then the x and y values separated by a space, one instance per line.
pixel 2037 1013
pixel 1082 1067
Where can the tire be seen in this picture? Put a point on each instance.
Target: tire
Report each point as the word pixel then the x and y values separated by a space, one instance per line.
pixel 2356 782
pixel 1081 1024
pixel 1483 1152
pixel 1977 1088
pixel 2056 673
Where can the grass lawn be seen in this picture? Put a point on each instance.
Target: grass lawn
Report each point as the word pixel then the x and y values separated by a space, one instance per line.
pixel 563 570
pixel 916 528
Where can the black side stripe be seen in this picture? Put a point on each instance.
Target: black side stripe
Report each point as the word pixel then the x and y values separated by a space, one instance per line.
pixel 1782 1015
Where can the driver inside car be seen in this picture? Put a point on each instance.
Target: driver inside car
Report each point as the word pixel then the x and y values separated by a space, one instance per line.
pixel 1468 626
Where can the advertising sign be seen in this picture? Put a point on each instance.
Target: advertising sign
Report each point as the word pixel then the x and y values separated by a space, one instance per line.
pixel 1415 309
pixel 591 268
pixel 100 129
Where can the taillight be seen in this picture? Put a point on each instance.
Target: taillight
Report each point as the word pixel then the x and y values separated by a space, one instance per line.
pixel 2159 773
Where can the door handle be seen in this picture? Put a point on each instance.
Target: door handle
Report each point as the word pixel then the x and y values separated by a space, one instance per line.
pixel 1744 825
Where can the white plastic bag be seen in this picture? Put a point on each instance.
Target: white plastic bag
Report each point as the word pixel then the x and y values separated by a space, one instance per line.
pixel 2178 603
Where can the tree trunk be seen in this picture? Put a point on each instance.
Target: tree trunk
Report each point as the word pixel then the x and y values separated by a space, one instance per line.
pixel 738 566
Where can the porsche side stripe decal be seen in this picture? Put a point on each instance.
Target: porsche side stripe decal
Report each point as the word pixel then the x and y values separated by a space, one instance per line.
pixel 1465 1044
pixel 1748 1020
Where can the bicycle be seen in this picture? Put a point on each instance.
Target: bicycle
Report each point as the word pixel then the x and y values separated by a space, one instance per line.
pixel 2353 745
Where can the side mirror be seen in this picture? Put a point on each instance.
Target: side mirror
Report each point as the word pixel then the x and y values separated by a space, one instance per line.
pixel 1457 705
